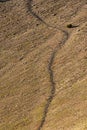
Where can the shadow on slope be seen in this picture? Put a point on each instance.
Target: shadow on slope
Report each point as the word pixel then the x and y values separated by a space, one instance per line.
pixel 4 0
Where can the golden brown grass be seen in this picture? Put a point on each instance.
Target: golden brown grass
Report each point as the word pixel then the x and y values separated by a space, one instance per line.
pixel 26 45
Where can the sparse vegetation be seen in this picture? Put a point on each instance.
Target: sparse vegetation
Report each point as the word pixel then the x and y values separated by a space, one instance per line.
pixel 35 58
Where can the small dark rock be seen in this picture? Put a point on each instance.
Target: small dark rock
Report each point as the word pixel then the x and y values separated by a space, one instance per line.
pixel 69 26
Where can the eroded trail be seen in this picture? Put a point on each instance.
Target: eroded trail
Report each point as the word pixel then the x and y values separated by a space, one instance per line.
pixel 51 60
pixel 51 73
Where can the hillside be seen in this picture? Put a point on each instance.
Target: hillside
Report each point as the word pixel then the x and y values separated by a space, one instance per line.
pixel 43 65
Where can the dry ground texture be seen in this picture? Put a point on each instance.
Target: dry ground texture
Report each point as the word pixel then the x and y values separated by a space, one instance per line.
pixel 43 65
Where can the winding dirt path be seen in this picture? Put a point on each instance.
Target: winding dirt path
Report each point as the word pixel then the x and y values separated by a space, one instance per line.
pixel 51 73
pixel 51 60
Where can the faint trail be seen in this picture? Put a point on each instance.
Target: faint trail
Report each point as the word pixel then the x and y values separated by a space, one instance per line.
pixel 52 92
pixel 29 6
pixel 51 73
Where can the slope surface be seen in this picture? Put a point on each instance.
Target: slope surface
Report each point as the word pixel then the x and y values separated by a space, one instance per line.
pixel 43 73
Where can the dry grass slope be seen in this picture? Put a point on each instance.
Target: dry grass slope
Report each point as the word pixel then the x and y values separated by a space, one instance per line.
pixel 43 65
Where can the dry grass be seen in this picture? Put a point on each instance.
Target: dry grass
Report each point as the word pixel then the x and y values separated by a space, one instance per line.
pixel 26 45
